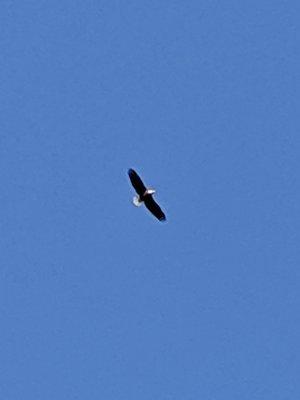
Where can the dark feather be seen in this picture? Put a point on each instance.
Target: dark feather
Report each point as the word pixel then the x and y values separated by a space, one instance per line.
pixel 154 208
pixel 137 183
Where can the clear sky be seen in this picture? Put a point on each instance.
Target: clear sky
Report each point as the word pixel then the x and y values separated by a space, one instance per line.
pixel 98 300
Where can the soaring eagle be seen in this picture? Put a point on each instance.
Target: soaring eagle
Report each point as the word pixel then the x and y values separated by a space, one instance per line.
pixel 144 195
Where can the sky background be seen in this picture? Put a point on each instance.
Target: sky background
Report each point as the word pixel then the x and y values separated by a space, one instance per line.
pixel 98 300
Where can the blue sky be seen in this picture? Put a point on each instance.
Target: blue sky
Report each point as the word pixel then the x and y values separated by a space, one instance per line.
pixel 98 300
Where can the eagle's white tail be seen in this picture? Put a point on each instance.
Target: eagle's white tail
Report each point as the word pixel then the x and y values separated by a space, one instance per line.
pixel 136 201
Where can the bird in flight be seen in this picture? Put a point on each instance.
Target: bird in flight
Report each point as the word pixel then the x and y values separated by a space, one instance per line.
pixel 144 195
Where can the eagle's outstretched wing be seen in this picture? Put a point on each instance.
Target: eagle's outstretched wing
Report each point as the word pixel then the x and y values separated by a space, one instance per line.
pixel 154 208
pixel 136 181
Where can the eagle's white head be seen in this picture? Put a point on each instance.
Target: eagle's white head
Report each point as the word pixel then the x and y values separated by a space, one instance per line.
pixel 150 191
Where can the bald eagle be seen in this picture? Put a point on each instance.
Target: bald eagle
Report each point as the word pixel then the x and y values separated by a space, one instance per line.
pixel 144 195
